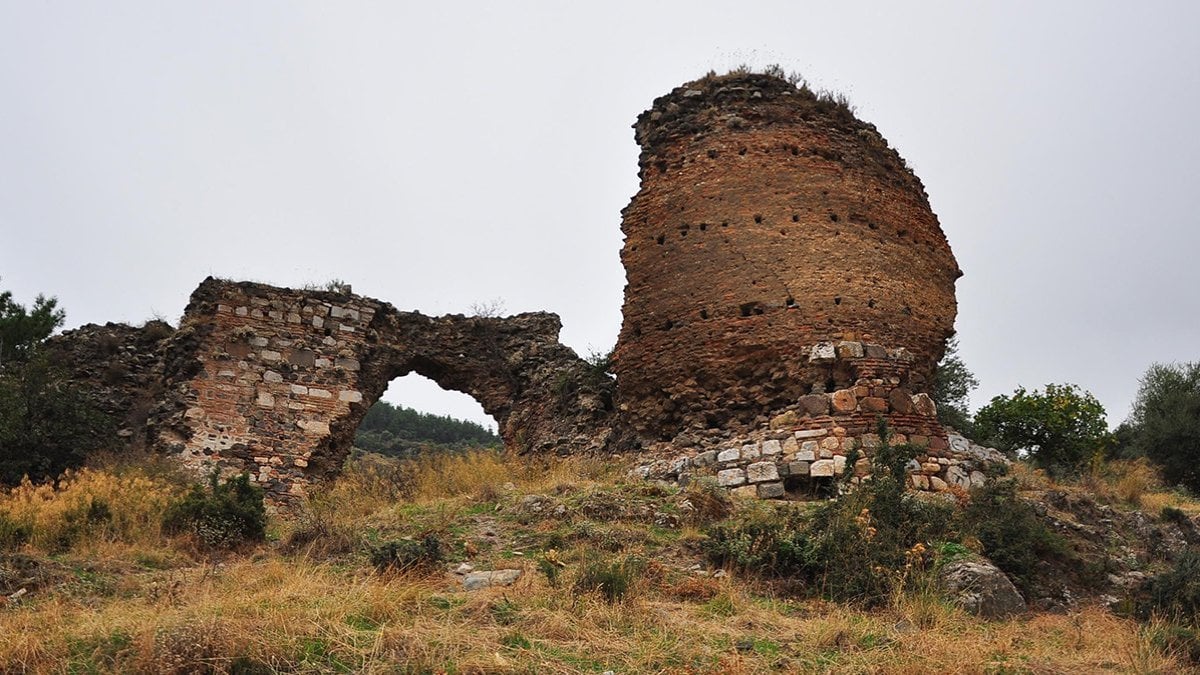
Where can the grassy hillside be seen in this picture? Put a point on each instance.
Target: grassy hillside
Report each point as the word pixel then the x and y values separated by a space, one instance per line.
pixel 614 576
pixel 398 431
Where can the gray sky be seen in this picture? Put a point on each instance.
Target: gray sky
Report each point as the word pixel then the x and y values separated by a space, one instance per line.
pixel 444 155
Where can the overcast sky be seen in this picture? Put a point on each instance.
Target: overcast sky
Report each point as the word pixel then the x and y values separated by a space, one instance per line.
pixel 444 155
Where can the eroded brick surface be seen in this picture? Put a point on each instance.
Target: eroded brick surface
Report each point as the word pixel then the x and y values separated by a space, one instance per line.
pixel 769 229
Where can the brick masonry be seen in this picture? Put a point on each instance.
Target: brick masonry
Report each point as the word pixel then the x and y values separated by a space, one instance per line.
pixel 769 221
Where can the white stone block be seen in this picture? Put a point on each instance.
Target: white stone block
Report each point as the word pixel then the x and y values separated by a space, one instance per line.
pixel 731 477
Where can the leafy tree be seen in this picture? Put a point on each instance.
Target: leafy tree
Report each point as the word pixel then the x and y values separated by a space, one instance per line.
pixel 22 330
pixel 1165 424
pixel 952 385
pixel 399 431
pixel 1059 429
pixel 46 424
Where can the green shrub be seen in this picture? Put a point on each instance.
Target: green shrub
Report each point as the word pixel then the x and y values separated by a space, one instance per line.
pixel 405 554
pixel 859 547
pixel 1013 536
pixel 613 580
pixel 1059 430
pixel 1175 594
pixel 765 540
pixel 225 515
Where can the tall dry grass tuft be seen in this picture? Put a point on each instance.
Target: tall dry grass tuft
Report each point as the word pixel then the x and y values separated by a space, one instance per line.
pixel 441 475
pixel 87 507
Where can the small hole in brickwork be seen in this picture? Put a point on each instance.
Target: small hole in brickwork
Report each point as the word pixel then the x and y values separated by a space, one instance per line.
pixel 833 217
pixel 790 302
pixel 902 233
pixel 703 226
pixel 795 150
pixel 758 311
pixel 783 232
pixel 795 217
pixel 831 320
pixel 661 238
pixel 837 301
pixel 758 217
pixel 683 233
pixel 742 151
pixel 747 309
pixel 873 226
pixel 668 324
pixel 725 223
pixel 661 165
pixel 871 303
pixel 712 154
pixel 831 385
pixel 907 310
pixel 704 314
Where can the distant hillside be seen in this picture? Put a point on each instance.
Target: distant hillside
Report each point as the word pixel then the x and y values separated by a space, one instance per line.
pixel 399 431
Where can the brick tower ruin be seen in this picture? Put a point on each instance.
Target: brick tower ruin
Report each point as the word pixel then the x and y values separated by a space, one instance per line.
pixel 779 253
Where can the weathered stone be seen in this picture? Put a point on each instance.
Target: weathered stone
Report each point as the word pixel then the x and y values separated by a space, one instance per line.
pixel 937 484
pixel 731 477
pixel 875 351
pixel 831 443
pixel 790 445
pixel 798 469
pixel 744 492
pixel 849 350
pixel 923 405
pixel 839 464
pixel 785 420
pixel 474 581
pixel 771 448
pixel 844 401
pixel 706 458
pixel 956 475
pixel 760 472
pixel 823 352
pixel 873 404
pixel 729 455
pixel 815 404
pixel 750 451
pixel 770 490
pixel 901 401
pixel 981 588
pixel 808 451
pixel 811 433
pixel 821 468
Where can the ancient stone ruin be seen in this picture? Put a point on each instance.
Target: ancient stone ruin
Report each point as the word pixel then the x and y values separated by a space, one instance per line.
pixel 788 289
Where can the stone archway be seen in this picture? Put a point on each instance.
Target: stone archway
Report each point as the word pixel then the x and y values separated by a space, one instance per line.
pixel 275 381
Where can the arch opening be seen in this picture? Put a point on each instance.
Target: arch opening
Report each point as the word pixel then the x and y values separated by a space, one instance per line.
pixel 415 415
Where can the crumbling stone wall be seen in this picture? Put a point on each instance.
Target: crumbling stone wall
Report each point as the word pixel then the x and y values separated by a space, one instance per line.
pixel 275 381
pixel 769 222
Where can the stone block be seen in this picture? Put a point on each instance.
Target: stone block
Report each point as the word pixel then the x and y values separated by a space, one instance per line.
pixel 822 468
pixel 760 472
pixel 839 464
pixel 705 458
pixel 815 404
pixel 272 376
pixel 744 492
pixel 299 389
pixel 730 455
pixel 849 350
pixel 265 400
pixel 900 400
pixel 870 441
pixel 873 404
pixel 786 420
pixel 811 433
pixel 923 405
pixel 771 448
pixel 790 445
pixel 844 401
pixel 937 484
pixel 731 477
pixel 920 482
pixel 319 393
pixel 831 443
pixel 874 351
pixel 798 469
pixel 823 352
pixel 270 355
pixel 350 396
pixel 750 451
pixel 770 490
pixel 808 451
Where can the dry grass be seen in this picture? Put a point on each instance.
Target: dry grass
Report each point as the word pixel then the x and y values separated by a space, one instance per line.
pixel 277 612
pixel 89 508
